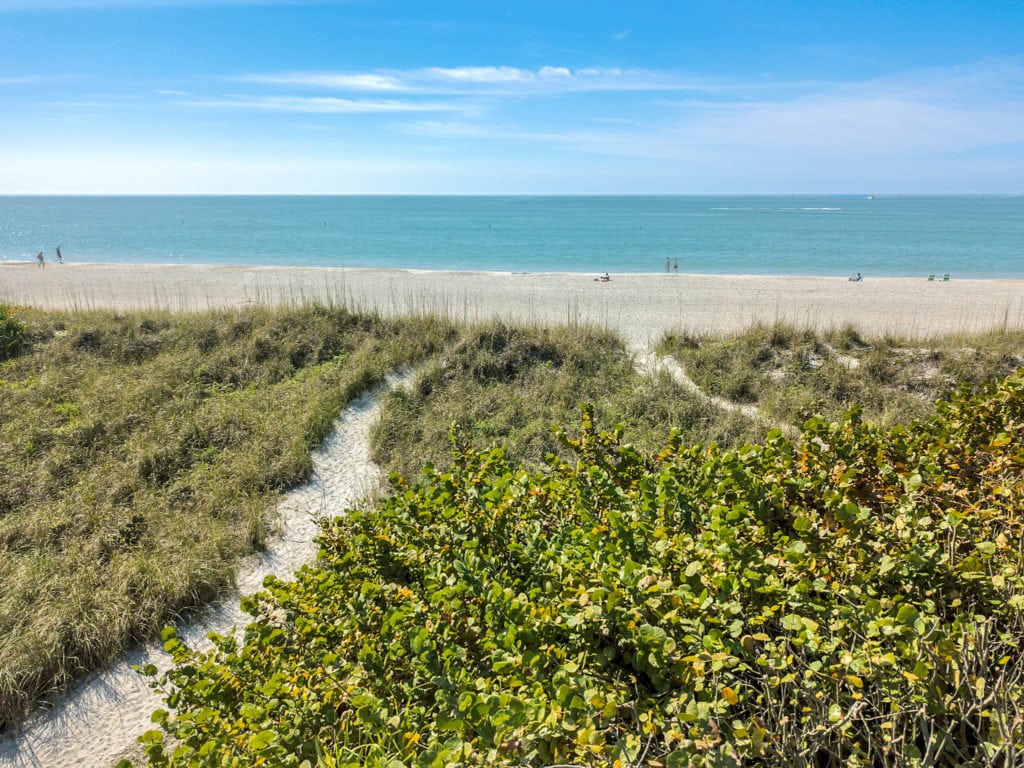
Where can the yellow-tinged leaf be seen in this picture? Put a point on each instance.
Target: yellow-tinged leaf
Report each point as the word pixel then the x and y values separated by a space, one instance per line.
pixel 855 681
pixel 730 695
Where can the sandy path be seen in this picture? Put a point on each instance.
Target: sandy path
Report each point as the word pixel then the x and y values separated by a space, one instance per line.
pixel 98 721
pixel 640 307
pixel 649 364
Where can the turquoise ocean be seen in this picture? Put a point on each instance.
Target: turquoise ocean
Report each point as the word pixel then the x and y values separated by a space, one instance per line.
pixel 966 236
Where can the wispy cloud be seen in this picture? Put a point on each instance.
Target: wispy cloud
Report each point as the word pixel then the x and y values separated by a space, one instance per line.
pixel 26 80
pixel 321 105
pixel 16 80
pixel 338 81
pixel 485 80
pixel 927 113
pixel 901 131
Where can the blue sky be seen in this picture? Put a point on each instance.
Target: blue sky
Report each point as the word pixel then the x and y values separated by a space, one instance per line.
pixel 553 97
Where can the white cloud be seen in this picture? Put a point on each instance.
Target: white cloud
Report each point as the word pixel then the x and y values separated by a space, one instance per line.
pixel 330 80
pixel 26 80
pixel 321 105
pixel 554 73
pixel 960 128
pixel 16 80
pixel 475 75
pixel 933 129
pixel 486 80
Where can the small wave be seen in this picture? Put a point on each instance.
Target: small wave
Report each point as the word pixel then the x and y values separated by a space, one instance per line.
pixel 803 209
pixel 751 208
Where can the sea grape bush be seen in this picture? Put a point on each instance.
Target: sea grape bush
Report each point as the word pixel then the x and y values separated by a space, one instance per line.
pixel 854 597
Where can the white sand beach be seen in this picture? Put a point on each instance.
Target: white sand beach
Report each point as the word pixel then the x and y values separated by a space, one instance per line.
pixel 641 307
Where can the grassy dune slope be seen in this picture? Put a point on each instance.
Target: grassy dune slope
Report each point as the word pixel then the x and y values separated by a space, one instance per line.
pixel 793 374
pixel 140 456
pixel 508 385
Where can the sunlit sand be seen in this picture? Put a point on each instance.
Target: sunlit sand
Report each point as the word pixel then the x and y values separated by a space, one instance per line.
pixel 641 307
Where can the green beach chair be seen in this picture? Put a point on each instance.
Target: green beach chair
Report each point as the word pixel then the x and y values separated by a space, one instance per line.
pixel 945 278
pixel 931 278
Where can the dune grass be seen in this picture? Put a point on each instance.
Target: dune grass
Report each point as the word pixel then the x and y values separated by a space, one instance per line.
pixel 140 456
pixel 508 385
pixel 792 374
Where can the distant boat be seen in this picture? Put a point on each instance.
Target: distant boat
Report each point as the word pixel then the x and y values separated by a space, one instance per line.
pixel 871 197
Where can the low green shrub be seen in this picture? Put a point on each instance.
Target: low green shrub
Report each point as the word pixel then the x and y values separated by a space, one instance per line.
pixel 854 597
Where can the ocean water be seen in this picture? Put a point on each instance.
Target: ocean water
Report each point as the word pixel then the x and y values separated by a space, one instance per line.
pixel 966 236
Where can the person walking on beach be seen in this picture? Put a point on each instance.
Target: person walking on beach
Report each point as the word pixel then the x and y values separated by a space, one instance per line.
pixel 668 263
pixel 42 259
pixel 675 265
pixel 60 259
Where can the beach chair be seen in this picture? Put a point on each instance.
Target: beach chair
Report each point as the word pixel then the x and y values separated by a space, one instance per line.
pixel 931 278
pixel 945 278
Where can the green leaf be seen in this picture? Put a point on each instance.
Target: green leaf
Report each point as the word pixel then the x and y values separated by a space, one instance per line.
pixel 262 740
pixel 151 737
pixel 907 615
pixel 450 724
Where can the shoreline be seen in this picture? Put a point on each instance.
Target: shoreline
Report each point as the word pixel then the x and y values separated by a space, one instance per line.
pixel 639 306
pixel 131 265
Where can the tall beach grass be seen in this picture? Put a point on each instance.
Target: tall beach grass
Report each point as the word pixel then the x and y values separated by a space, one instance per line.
pixel 140 457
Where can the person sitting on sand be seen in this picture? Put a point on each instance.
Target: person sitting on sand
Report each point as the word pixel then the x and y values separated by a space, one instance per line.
pixel 603 279
pixel 856 278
